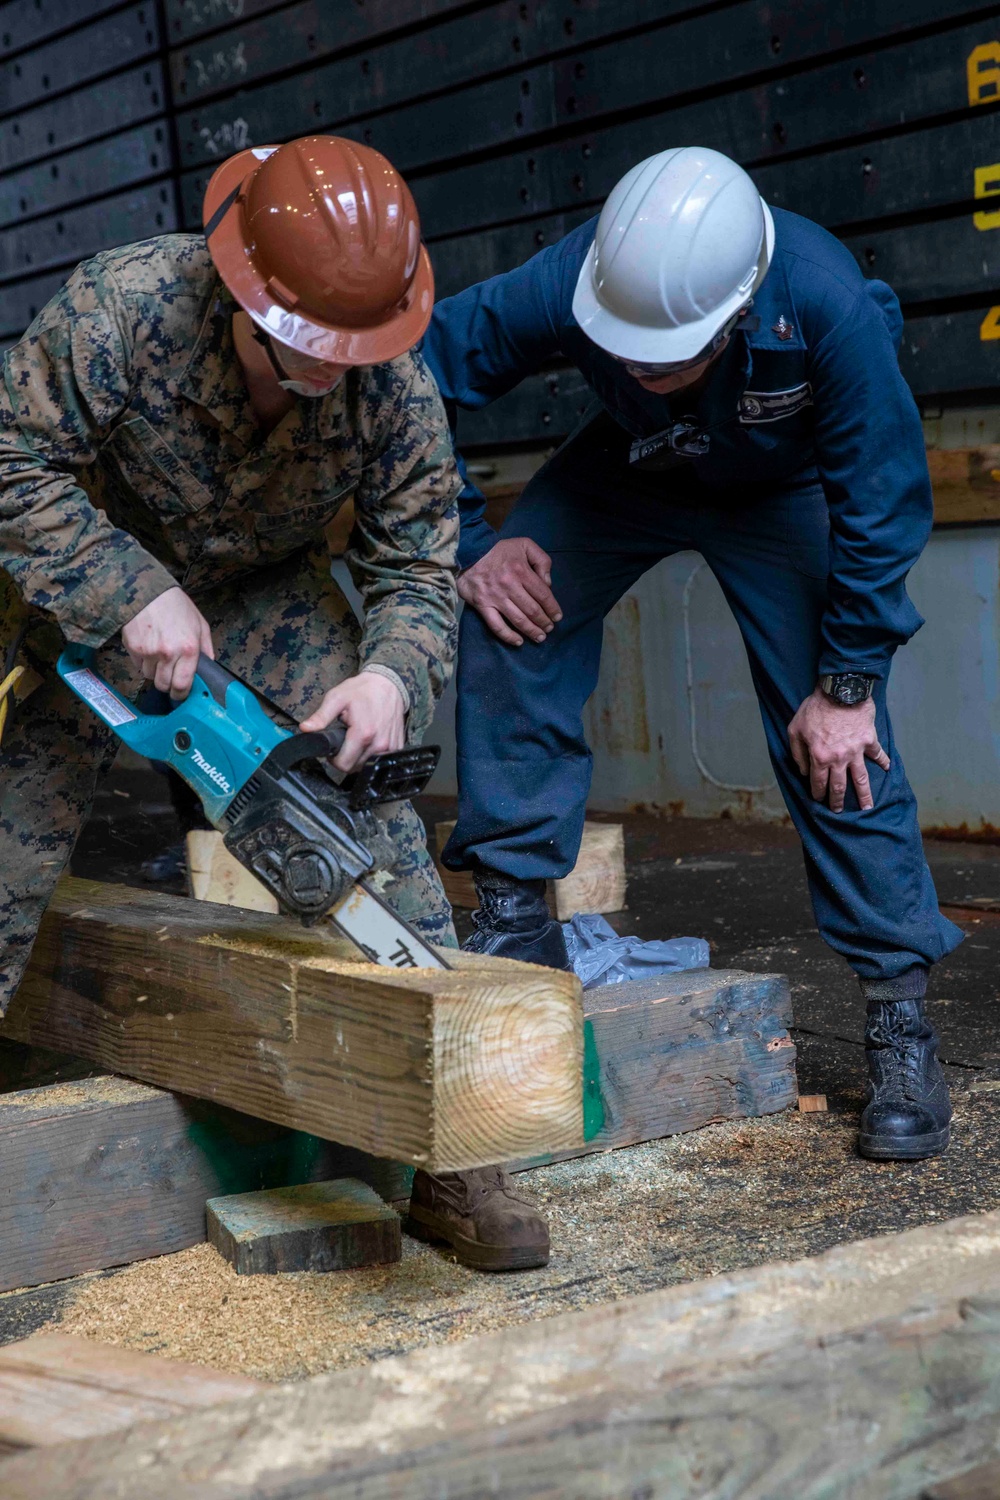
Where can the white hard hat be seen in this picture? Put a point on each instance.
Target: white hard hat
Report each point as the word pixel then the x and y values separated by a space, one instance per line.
pixel 682 243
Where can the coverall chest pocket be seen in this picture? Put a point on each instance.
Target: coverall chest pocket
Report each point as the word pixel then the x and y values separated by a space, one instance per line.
pixel 280 531
pixel 294 502
pixel 153 470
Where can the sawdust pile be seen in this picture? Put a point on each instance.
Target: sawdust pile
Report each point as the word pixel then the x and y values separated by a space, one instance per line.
pixel 622 1222
pixel 704 1204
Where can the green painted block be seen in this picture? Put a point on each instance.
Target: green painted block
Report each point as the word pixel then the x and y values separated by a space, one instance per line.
pixel 318 1226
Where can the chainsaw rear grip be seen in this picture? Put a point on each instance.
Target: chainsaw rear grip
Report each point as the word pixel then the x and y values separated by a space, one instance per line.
pixel 321 742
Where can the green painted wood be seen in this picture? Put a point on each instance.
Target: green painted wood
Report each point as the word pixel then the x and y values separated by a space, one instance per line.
pixel 320 1226
pixel 674 1053
pixel 100 1171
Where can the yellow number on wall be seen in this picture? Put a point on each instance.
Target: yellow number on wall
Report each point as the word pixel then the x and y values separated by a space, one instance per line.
pixel 988 186
pixel 989 328
pixel 984 73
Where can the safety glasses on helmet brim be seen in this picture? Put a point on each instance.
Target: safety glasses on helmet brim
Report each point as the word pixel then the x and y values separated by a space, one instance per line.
pixel 635 367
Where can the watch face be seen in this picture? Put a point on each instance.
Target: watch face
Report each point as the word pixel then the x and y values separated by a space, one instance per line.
pixel 849 690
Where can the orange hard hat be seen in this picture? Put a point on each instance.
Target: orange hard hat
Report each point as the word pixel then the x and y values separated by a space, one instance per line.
pixel 319 241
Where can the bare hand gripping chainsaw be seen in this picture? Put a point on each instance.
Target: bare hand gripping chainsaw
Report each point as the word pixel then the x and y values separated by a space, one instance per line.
pixel 310 839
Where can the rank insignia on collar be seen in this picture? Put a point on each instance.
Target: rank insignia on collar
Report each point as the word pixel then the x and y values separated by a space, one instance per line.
pixel 783 328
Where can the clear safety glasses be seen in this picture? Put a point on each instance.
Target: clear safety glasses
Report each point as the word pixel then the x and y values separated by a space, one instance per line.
pixel 638 368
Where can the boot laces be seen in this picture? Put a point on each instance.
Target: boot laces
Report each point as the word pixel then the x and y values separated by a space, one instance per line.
pixel 899 1053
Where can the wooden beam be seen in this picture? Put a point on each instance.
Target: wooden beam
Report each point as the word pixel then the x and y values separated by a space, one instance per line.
pixel 55 1387
pixel 318 1226
pixel 871 1370
pixel 966 484
pixel 101 1171
pixel 675 1053
pixel 595 884
pixel 442 1069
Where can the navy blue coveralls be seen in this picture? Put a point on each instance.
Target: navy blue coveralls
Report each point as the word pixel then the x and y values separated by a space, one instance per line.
pixel 810 506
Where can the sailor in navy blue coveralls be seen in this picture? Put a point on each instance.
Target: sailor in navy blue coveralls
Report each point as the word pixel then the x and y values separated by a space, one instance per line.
pixel 810 506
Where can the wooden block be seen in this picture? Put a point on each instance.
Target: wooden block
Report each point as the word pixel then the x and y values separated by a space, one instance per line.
pixel 214 875
pixel 102 1171
pixel 812 1104
pixel 322 1226
pixel 966 484
pixel 55 1387
pixel 980 1483
pixel 338 531
pixel 596 883
pixel 459 886
pixel 868 1371
pixel 437 1068
pixel 675 1053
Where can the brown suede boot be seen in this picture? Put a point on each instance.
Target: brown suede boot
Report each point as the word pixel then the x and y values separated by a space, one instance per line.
pixel 482 1216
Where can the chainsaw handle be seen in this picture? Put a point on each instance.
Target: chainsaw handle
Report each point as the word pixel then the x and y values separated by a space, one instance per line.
pixel 326 741
pixel 215 677
pixel 334 734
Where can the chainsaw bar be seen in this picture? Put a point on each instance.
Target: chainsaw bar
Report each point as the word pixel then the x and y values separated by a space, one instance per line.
pixel 381 935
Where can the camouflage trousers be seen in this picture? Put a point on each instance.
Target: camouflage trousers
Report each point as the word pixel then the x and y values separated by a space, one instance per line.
pixel 288 631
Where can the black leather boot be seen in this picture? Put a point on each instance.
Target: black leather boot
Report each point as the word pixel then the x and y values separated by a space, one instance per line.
pixel 513 921
pixel 908 1114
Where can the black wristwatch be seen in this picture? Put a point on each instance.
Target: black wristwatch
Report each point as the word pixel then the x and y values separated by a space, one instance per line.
pixel 847 688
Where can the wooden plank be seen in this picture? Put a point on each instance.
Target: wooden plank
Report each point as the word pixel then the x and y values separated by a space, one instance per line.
pixel 443 1069
pixel 871 1370
pixel 595 884
pixel 320 1226
pixel 215 875
pixel 966 484
pixel 55 1387
pixel 98 1172
pixel 681 1051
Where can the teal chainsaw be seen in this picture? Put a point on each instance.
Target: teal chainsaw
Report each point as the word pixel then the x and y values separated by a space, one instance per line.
pixel 312 838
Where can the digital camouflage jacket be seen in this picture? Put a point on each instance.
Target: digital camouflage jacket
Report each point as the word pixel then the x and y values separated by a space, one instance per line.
pixel 130 462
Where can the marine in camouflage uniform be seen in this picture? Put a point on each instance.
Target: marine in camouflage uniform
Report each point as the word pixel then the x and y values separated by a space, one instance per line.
pixel 130 463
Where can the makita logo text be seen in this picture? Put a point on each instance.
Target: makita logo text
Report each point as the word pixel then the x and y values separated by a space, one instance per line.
pixel 211 772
